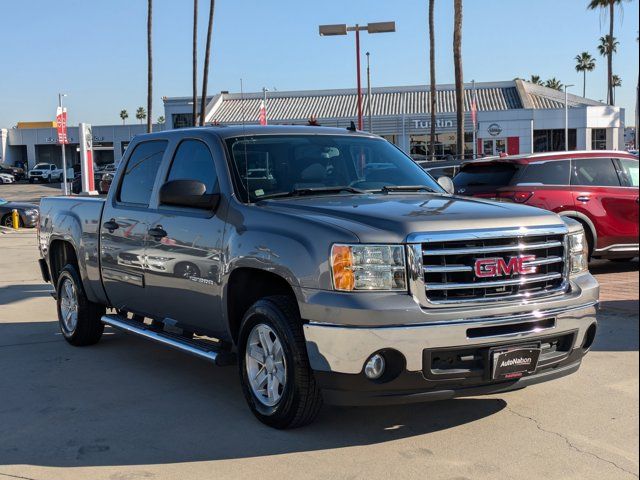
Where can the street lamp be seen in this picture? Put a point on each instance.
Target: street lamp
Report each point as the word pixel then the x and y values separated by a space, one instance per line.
pixel 65 187
pixel 343 29
pixel 369 95
pixel 566 118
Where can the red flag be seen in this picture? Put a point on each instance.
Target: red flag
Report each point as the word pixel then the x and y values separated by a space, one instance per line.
pixel 262 117
pixel 474 110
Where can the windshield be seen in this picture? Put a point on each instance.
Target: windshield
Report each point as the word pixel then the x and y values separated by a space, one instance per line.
pixel 488 176
pixel 41 166
pixel 281 165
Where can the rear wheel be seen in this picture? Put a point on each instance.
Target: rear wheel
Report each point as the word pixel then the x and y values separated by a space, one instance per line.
pixel 78 318
pixel 7 221
pixel 277 380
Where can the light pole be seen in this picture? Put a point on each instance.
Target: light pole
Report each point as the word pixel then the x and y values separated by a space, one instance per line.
pixel 369 95
pixel 342 29
pixel 65 190
pixel 566 118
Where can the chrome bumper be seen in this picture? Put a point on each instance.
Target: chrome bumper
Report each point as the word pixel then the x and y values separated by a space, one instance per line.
pixel 344 349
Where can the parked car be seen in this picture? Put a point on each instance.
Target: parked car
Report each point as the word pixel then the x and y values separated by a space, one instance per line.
pixel 76 186
pixel 45 172
pixel 326 263
pixel 16 172
pixel 7 178
pixel 597 188
pixel 28 213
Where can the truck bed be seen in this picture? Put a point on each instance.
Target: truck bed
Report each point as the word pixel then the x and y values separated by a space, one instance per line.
pixel 75 220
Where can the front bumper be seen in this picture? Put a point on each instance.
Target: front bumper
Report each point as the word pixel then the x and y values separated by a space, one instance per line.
pixel 338 352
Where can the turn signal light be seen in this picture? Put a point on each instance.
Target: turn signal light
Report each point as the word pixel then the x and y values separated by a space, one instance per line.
pixel 342 265
pixel 521 197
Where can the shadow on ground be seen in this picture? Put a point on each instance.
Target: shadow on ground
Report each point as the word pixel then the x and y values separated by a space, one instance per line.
pixel 598 267
pixel 21 291
pixel 129 402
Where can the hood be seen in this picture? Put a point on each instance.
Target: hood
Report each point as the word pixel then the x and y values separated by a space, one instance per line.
pixel 392 217
pixel 20 205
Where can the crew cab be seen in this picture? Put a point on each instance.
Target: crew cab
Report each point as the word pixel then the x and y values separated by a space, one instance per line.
pixel 597 188
pixel 326 264
pixel 45 172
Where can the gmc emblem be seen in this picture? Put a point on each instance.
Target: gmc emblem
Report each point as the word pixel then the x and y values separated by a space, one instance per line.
pixel 498 267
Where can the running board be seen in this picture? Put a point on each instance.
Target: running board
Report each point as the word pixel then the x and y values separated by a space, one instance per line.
pixel 193 347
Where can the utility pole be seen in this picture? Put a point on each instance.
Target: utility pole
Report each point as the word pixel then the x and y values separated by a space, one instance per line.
pixel 369 94
pixel 65 189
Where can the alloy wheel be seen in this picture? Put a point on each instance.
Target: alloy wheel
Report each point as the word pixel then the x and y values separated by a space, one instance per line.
pixel 69 306
pixel 266 365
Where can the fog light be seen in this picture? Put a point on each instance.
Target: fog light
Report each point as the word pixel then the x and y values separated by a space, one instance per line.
pixel 374 368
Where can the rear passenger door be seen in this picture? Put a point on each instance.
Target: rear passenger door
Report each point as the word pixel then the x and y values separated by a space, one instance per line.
pixel 184 262
pixel 599 194
pixel 123 233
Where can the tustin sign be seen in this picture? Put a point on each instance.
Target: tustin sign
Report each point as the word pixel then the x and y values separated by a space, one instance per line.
pixel 442 123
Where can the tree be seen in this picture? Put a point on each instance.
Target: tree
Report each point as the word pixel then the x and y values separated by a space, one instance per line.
pixel 432 74
pixel 584 63
pixel 207 54
pixel 194 109
pixel 149 65
pixel 616 82
pixel 607 5
pixel 124 115
pixel 554 83
pixel 535 79
pixel 141 114
pixel 160 120
pixel 457 61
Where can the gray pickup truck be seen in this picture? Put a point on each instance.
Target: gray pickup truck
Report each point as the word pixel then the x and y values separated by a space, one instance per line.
pixel 325 263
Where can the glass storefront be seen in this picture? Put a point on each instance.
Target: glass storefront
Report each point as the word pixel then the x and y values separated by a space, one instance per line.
pixel 182 120
pixel 598 139
pixel 445 146
pixel 552 140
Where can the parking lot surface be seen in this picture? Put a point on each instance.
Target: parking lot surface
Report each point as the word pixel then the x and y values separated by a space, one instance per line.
pixel 129 409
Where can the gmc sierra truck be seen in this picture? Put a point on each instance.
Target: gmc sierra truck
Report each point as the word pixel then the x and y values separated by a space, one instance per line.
pixel 326 264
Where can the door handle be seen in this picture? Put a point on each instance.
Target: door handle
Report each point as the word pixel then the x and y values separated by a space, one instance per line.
pixel 157 232
pixel 111 225
pixel 583 198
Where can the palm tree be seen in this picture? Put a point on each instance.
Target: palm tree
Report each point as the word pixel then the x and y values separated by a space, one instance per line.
pixel 124 115
pixel 149 65
pixel 207 53
pixel 616 82
pixel 141 114
pixel 457 61
pixel 432 74
pixel 607 47
pixel 584 63
pixel 160 120
pixel 610 6
pixel 194 110
pixel 535 79
pixel 554 83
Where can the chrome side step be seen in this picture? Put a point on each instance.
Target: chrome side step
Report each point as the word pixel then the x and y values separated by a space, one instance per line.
pixel 193 347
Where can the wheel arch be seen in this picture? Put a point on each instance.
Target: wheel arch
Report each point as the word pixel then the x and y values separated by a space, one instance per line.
pixel 589 226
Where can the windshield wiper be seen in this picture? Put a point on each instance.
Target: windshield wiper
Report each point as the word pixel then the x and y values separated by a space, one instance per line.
pixel 299 192
pixel 407 188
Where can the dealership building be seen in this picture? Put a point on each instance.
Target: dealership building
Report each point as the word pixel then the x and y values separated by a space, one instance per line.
pixel 512 117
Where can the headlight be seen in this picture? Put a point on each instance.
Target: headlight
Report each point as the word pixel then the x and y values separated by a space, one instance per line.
pixel 578 253
pixel 368 267
pixel 32 212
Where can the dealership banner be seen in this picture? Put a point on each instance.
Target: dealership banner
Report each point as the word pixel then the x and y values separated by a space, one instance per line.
pixel 86 159
pixel 61 125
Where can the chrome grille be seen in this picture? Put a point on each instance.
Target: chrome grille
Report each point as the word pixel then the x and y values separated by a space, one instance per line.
pixel 448 267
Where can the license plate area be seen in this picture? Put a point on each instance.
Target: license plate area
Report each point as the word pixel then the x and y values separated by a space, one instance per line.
pixel 513 362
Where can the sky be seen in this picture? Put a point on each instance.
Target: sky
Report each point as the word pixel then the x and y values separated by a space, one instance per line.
pixel 95 51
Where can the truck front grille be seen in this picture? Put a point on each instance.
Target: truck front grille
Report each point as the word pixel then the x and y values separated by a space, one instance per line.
pixel 449 268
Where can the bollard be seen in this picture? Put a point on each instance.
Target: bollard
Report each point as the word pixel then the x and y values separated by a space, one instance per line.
pixel 15 218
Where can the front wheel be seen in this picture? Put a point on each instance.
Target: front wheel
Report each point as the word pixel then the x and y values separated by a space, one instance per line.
pixel 79 318
pixel 277 380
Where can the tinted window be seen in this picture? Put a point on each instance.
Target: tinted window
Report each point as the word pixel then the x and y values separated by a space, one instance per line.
pixel 629 172
pixel 553 172
pixel 596 172
pixel 140 174
pixel 486 176
pixel 193 161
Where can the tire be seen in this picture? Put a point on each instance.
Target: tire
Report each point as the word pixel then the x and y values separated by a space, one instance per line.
pixel 7 221
pixel 31 180
pixel 299 399
pixel 85 328
pixel 186 270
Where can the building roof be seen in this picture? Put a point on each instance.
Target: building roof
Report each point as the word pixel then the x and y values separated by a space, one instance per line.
pixel 296 106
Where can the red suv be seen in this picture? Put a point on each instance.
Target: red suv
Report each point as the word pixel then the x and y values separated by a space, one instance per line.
pixel 597 188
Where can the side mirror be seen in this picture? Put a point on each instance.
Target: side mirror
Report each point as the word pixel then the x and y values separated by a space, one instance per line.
pixel 188 193
pixel 447 184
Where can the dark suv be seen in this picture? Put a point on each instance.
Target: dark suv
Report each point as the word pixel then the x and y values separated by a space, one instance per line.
pixel 17 172
pixel 597 188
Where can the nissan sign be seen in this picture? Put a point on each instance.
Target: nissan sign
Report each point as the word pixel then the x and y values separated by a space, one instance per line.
pixel 494 129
